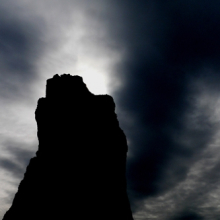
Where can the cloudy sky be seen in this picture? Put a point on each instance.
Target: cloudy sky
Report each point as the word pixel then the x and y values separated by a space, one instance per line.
pixel 160 62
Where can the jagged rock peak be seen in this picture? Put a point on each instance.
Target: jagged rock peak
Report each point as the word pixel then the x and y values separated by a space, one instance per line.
pixel 80 168
pixel 66 85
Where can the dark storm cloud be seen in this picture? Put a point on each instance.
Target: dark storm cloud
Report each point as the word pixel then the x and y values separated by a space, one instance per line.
pixel 20 49
pixel 166 45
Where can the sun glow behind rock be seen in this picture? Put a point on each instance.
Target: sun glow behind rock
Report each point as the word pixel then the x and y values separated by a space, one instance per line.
pixel 80 48
pixel 93 78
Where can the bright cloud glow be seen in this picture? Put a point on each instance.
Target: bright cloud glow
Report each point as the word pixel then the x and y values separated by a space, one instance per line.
pixel 79 48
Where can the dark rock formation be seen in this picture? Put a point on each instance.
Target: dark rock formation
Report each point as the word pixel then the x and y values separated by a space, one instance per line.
pixel 79 170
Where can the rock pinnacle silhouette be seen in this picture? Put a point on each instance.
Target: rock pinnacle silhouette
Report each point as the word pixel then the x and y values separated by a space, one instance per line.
pixel 79 169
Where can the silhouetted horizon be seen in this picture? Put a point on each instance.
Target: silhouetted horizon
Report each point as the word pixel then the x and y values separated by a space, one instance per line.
pixel 81 158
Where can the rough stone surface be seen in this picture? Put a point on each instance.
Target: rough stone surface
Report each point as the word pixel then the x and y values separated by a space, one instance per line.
pixel 79 170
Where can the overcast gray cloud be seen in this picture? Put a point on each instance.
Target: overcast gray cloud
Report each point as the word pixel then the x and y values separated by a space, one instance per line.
pixel 21 46
pixel 159 60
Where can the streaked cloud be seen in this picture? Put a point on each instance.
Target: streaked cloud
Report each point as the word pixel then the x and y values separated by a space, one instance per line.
pixel 160 62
